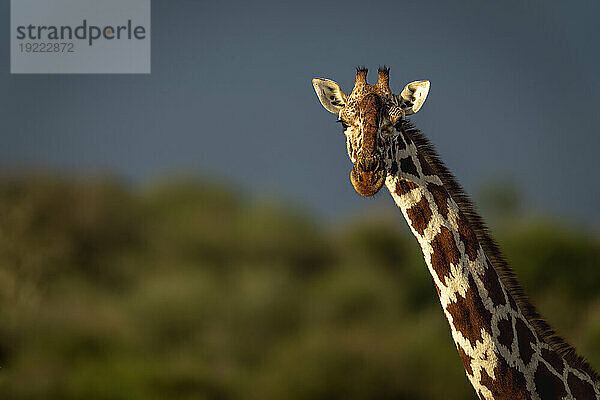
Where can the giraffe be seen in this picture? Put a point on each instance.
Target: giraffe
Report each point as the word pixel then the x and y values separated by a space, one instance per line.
pixel 507 350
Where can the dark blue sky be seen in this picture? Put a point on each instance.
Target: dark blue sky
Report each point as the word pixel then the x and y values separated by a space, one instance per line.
pixel 515 93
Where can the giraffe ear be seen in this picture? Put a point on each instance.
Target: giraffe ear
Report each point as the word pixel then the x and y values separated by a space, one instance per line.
pixel 413 96
pixel 330 94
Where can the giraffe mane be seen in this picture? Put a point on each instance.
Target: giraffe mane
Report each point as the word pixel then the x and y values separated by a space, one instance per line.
pixel 508 277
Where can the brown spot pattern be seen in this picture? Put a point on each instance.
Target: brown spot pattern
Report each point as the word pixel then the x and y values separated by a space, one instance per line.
pixel 400 142
pixel 420 215
pixel 512 303
pixel 580 389
pixel 554 360
pixel 548 385
pixel 467 237
pixel 408 166
pixel 440 197
pixel 425 167
pixel 466 359
pixel 469 315
pixel 506 332
pixel 492 285
pixel 509 382
pixel 444 253
pixel 525 338
pixel 403 187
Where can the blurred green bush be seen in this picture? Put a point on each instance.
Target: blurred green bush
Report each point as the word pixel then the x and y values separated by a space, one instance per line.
pixel 188 289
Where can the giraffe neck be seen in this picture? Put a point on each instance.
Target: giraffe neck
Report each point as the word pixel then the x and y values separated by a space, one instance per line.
pixel 503 354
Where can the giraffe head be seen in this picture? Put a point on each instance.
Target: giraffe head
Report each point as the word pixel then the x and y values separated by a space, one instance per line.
pixel 370 116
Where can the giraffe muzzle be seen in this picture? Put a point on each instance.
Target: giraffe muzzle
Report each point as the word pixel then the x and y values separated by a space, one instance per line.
pixel 368 175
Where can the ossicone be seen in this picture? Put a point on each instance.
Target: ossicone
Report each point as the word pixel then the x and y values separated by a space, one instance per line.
pixel 383 81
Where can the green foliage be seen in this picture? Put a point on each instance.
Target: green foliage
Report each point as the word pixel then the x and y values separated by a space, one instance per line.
pixel 187 289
